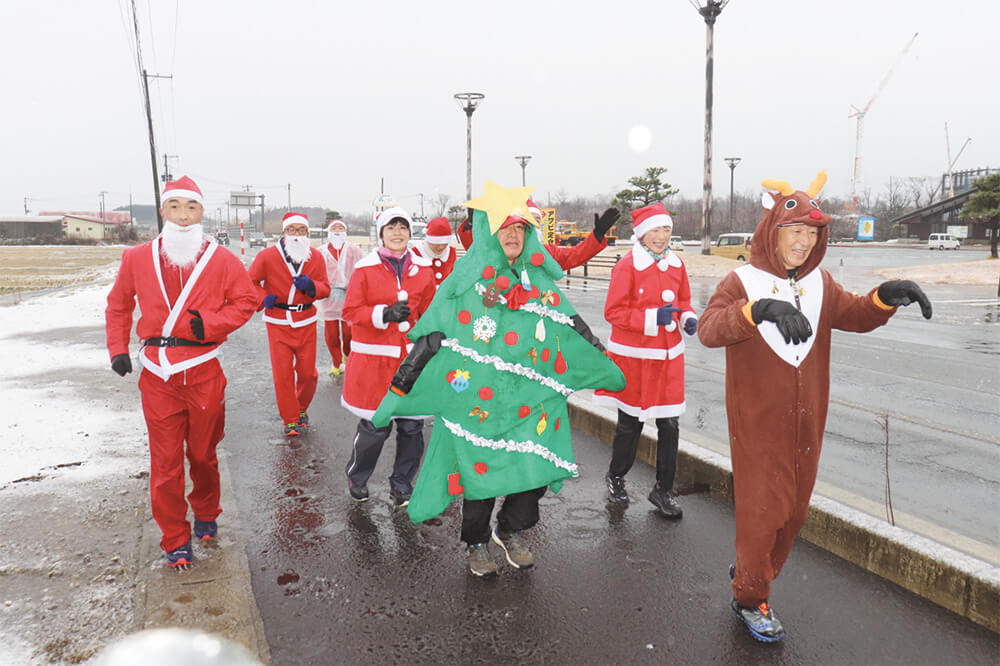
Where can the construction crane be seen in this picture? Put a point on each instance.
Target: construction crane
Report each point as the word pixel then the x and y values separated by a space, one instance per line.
pixel 860 115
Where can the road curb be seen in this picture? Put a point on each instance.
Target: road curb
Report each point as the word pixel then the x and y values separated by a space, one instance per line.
pixel 961 583
pixel 215 594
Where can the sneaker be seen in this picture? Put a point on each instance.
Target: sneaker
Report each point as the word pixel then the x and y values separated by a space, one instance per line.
pixel 666 503
pixel 761 621
pixel 480 562
pixel 335 370
pixel 292 430
pixel 181 556
pixel 205 529
pixel 303 420
pixel 616 488
pixel 359 492
pixel 399 498
pixel 732 572
pixel 517 553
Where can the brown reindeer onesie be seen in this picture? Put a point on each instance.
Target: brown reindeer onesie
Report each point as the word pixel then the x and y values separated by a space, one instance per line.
pixel 777 392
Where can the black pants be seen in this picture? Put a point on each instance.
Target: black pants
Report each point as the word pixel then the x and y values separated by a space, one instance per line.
pixel 519 512
pixel 626 443
pixel 368 446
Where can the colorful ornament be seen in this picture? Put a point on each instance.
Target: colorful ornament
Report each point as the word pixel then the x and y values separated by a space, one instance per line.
pixel 525 280
pixel 542 423
pixel 545 355
pixel 503 283
pixel 560 363
pixel 491 296
pixel 479 467
pixel 485 393
pixel 537 259
pixel 558 418
pixel 481 413
pixel 524 411
pixel 484 329
pixel 464 317
pixel 489 272
pixel 533 355
pixel 454 487
pixel 550 298
pixel 540 330
pixel 458 379
pixel 510 337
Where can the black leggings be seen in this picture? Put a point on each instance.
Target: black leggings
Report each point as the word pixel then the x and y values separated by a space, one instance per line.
pixel 626 443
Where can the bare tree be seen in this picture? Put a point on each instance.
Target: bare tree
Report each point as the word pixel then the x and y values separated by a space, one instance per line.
pixel 440 204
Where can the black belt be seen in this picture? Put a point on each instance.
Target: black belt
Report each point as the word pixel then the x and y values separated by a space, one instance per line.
pixel 299 307
pixel 174 342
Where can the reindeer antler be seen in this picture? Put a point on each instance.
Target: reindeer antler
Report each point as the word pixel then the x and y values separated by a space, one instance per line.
pixel 780 185
pixel 818 182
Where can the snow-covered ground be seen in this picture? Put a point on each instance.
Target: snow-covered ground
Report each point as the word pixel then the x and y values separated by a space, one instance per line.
pixel 73 480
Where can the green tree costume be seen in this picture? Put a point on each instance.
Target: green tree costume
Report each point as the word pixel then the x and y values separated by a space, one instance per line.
pixel 499 383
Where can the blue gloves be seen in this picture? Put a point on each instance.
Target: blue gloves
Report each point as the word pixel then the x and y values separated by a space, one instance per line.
pixel 691 326
pixel 269 301
pixel 665 314
pixel 305 284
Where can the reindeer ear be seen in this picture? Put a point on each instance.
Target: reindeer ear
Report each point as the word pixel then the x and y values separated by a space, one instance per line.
pixel 766 202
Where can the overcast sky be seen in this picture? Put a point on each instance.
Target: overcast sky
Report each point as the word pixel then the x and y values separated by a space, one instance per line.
pixel 331 96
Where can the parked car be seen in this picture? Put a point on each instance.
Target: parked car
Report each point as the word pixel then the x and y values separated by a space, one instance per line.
pixel 257 239
pixel 222 237
pixel 943 242
pixel 676 243
pixel 734 246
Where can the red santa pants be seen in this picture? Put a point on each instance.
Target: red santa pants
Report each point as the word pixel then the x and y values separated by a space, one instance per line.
pixel 293 367
pixel 176 412
pixel 337 334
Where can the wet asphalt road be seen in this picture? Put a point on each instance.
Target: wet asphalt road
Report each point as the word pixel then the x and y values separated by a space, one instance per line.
pixel 341 583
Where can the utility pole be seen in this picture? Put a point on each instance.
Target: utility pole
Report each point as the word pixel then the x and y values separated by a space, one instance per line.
pixel 261 214
pixel 523 161
pixel 25 205
pixel 469 102
pixel 103 192
pixel 167 176
pixel 421 195
pixel 732 162
pixel 289 196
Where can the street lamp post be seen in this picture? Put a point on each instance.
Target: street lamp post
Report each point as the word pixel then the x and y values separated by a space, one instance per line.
pixel 732 162
pixel 523 161
pixel 710 10
pixel 469 102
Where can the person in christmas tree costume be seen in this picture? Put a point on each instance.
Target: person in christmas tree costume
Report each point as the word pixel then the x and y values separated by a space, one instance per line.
pixel 649 302
pixel 775 317
pixel 496 355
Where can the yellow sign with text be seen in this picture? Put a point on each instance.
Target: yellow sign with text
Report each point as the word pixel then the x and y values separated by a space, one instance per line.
pixel 548 226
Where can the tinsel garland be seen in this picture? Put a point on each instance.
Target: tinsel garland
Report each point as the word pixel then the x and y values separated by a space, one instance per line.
pixel 500 364
pixel 510 446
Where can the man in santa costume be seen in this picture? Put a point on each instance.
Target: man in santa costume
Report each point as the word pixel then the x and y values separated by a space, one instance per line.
pixel 340 257
pixel 648 303
pixel 567 257
pixel 436 246
pixel 390 289
pixel 191 294
pixel 775 317
pixel 290 276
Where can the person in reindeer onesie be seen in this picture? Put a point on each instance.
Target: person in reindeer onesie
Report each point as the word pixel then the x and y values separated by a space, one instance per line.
pixel 436 246
pixel 290 276
pixel 648 303
pixel 192 294
pixel 390 289
pixel 340 257
pixel 774 316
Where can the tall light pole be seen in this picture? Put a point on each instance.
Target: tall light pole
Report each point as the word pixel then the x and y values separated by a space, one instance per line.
pixel 732 162
pixel 709 10
pixel 523 161
pixel 469 102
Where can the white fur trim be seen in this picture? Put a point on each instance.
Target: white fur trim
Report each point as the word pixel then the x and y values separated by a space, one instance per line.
pixel 652 222
pixel 438 240
pixel 651 353
pixel 392 351
pixel 654 412
pixel 402 295
pixel 377 313
pixel 668 295
pixel 650 327
pixel 366 414
pixel 404 326
pixel 166 195
pixel 294 219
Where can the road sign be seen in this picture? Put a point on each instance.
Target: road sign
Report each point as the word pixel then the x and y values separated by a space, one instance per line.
pixel 548 226
pixel 866 228
pixel 244 199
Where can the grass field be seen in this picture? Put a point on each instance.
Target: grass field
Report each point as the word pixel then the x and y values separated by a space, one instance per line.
pixel 33 267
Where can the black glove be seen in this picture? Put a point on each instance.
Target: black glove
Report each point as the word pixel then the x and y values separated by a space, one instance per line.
pixel 411 367
pixel 580 326
pixel 665 314
pixel 791 323
pixel 904 292
pixel 398 311
pixel 197 325
pixel 121 364
pixel 605 222
pixel 305 284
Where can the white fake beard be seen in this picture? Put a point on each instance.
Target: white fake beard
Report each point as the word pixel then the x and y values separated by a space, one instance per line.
pixel 297 248
pixel 181 244
pixel 337 238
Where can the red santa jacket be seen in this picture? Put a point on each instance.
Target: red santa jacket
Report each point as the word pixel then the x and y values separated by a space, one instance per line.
pixel 577 255
pixel 273 275
pixel 639 286
pixel 441 267
pixel 216 286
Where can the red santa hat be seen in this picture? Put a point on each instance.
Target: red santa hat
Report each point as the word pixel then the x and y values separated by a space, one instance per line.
pixel 514 219
pixel 650 217
pixel 534 209
pixel 294 218
pixel 438 231
pixel 329 227
pixel 387 216
pixel 182 188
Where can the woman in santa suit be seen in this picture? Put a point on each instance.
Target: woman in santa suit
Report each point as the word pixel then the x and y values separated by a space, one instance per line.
pixel 390 289
pixel 649 302
pixel 340 257
pixel 436 246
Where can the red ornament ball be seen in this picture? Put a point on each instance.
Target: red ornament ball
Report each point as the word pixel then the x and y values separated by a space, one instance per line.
pixel 510 337
pixel 464 317
pixel 545 355
pixel 503 282
pixel 534 292
pixel 485 393
pixel 489 272
pixel 537 259
pixel 479 467
pixel 554 298
pixel 557 423
pixel 524 411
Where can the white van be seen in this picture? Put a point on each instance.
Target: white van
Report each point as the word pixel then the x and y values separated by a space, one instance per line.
pixel 942 242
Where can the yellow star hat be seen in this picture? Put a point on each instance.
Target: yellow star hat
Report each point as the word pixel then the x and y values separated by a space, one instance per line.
pixel 501 202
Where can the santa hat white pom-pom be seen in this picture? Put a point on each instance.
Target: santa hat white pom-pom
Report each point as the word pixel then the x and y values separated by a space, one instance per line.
pixel 402 295
pixel 404 326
